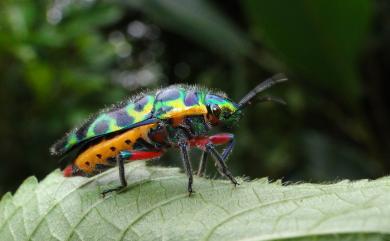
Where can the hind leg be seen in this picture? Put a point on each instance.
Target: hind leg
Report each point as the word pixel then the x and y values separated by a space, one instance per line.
pixel 130 156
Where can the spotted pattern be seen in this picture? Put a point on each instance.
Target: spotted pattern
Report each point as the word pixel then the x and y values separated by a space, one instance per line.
pixel 140 104
pixel 168 94
pixel 141 109
pixel 122 118
pixel 82 131
pixel 101 127
pixel 172 102
pixel 191 98
pixel 162 110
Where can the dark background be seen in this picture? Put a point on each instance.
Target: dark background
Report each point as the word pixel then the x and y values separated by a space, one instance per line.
pixel 63 60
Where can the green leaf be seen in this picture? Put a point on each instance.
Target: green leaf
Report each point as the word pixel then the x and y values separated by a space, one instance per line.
pixel 156 206
pixel 199 21
pixel 320 40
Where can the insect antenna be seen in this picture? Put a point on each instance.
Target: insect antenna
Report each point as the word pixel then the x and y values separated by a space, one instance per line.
pixel 250 97
pixel 269 98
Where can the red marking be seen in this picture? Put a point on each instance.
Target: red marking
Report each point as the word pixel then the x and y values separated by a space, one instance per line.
pixel 199 142
pixel 221 138
pixel 218 139
pixel 68 171
pixel 144 155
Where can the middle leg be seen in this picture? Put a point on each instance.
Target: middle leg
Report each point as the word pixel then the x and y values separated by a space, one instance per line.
pixel 187 164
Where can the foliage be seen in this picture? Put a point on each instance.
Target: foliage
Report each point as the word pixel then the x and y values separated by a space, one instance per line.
pixel 62 60
pixel 156 206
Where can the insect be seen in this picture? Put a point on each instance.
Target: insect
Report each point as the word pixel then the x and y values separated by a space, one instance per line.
pixel 145 126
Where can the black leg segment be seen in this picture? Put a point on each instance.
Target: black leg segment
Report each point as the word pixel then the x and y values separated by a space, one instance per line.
pixel 187 164
pixel 221 163
pixel 121 167
pixel 228 149
pixel 225 155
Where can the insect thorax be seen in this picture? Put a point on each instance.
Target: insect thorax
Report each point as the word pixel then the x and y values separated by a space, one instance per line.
pixel 171 131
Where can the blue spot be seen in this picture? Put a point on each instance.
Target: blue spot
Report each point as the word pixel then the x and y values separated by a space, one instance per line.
pixel 81 133
pixel 163 110
pixel 191 98
pixel 122 118
pixel 168 94
pixel 101 127
pixel 140 104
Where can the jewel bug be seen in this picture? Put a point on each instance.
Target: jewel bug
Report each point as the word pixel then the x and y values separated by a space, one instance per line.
pixel 145 126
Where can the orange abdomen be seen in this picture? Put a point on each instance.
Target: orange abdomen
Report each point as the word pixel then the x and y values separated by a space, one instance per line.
pixel 108 149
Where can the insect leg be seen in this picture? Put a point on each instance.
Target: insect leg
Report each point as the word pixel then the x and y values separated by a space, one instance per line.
pixel 224 138
pixel 121 166
pixel 221 164
pixel 187 164
pixel 130 156
pixel 202 164
pixel 218 139
pixel 228 150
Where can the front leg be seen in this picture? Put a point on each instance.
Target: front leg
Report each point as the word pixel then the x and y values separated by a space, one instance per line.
pixel 218 139
pixel 221 163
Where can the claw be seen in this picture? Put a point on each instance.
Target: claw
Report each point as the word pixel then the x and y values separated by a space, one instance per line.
pixel 117 189
pixel 190 193
pixel 235 183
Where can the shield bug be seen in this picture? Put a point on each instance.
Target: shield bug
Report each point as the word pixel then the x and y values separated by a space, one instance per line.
pixel 145 126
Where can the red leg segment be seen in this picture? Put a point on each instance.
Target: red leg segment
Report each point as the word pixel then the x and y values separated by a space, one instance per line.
pixel 144 155
pixel 218 139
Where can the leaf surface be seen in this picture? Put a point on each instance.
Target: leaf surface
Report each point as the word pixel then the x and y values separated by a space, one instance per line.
pixel 156 206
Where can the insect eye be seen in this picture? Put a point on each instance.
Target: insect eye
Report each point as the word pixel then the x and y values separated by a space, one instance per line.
pixel 215 110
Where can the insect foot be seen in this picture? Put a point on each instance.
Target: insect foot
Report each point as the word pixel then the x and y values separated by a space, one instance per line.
pixel 117 189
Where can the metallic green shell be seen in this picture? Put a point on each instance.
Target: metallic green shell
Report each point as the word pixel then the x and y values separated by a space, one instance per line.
pixel 108 121
pixel 173 101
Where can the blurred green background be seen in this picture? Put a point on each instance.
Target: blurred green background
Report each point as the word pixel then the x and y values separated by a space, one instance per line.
pixel 61 60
